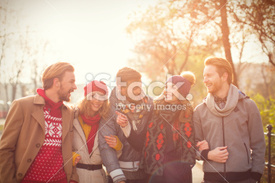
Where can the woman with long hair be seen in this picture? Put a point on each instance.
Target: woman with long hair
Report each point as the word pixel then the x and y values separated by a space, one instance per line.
pixel 168 142
pixel 86 156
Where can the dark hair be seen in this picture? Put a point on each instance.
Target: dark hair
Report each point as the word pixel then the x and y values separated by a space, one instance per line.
pixel 128 74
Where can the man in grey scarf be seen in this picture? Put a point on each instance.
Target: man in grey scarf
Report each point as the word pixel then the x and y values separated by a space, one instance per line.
pixel 228 129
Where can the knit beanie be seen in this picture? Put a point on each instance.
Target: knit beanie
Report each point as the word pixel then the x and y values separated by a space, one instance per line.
pixel 183 84
pixel 95 85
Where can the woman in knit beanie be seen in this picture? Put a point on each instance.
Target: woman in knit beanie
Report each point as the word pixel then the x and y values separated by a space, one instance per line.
pixel 86 156
pixel 167 144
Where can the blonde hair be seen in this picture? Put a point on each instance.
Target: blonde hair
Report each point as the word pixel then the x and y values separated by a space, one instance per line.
pixel 190 76
pixel 222 66
pixel 56 70
pixel 85 107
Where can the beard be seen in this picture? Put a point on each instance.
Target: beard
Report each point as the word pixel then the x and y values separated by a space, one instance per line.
pixel 129 99
pixel 135 99
pixel 216 86
pixel 64 95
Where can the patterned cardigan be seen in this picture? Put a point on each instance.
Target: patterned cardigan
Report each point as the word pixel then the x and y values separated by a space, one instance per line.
pixel 155 140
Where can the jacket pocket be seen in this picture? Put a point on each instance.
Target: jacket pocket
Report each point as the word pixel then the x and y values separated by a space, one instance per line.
pixel 247 154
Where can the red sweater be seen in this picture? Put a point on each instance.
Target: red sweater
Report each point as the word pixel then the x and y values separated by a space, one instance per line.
pixel 48 164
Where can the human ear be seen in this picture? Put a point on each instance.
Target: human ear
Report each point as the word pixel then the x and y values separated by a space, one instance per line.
pixel 225 76
pixel 56 82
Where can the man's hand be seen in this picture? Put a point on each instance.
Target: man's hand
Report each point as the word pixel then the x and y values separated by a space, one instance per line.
pixel 219 154
pixel 203 145
pixel 121 119
pixel 122 181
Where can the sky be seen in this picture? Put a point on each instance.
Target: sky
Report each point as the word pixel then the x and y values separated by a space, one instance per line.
pixel 90 34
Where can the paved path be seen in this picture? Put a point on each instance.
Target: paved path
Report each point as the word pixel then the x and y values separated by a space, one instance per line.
pixel 197 172
pixel 2 121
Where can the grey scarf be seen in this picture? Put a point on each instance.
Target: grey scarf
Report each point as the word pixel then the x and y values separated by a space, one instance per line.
pixel 231 103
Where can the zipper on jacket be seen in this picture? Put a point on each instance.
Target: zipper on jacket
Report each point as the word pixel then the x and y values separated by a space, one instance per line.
pixel 246 152
pixel 223 145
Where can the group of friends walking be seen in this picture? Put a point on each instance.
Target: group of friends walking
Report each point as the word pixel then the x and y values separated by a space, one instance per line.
pixel 124 136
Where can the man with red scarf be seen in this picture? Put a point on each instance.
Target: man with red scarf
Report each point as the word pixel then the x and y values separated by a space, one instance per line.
pixel 36 145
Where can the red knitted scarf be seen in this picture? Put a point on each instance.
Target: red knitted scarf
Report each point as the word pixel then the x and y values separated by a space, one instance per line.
pixel 51 106
pixel 94 123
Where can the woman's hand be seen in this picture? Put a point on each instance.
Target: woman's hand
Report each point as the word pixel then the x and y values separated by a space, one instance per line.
pixel 114 142
pixel 202 145
pixel 77 159
pixel 111 141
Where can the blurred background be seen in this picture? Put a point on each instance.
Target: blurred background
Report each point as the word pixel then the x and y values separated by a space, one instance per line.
pixel 158 38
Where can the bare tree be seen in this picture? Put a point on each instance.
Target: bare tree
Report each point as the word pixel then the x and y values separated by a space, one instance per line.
pixel 259 15
pixel 26 51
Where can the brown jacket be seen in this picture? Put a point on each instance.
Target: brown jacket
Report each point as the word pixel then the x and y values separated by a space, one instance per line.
pixel 24 134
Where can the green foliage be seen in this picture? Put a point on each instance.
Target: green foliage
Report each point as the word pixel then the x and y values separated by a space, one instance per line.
pixel 267 111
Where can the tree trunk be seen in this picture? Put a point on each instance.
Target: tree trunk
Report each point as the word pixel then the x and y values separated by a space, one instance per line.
pixel 6 87
pixel 14 89
pixel 225 38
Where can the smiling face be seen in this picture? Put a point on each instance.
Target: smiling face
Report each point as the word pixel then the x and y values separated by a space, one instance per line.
pixel 212 80
pixel 66 86
pixel 96 100
pixel 133 91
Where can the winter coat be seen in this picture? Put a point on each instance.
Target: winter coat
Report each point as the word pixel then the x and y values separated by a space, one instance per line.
pixel 94 158
pixel 241 131
pixel 24 134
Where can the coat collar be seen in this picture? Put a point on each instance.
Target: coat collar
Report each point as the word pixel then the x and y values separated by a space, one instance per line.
pixel 39 115
pixel 80 131
pixel 39 100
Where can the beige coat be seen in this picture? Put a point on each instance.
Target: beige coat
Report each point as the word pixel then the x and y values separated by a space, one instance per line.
pixel 81 148
pixel 24 134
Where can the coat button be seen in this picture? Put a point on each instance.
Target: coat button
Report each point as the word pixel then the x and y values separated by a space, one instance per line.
pixel 29 160
pixel 20 174
pixel 37 145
